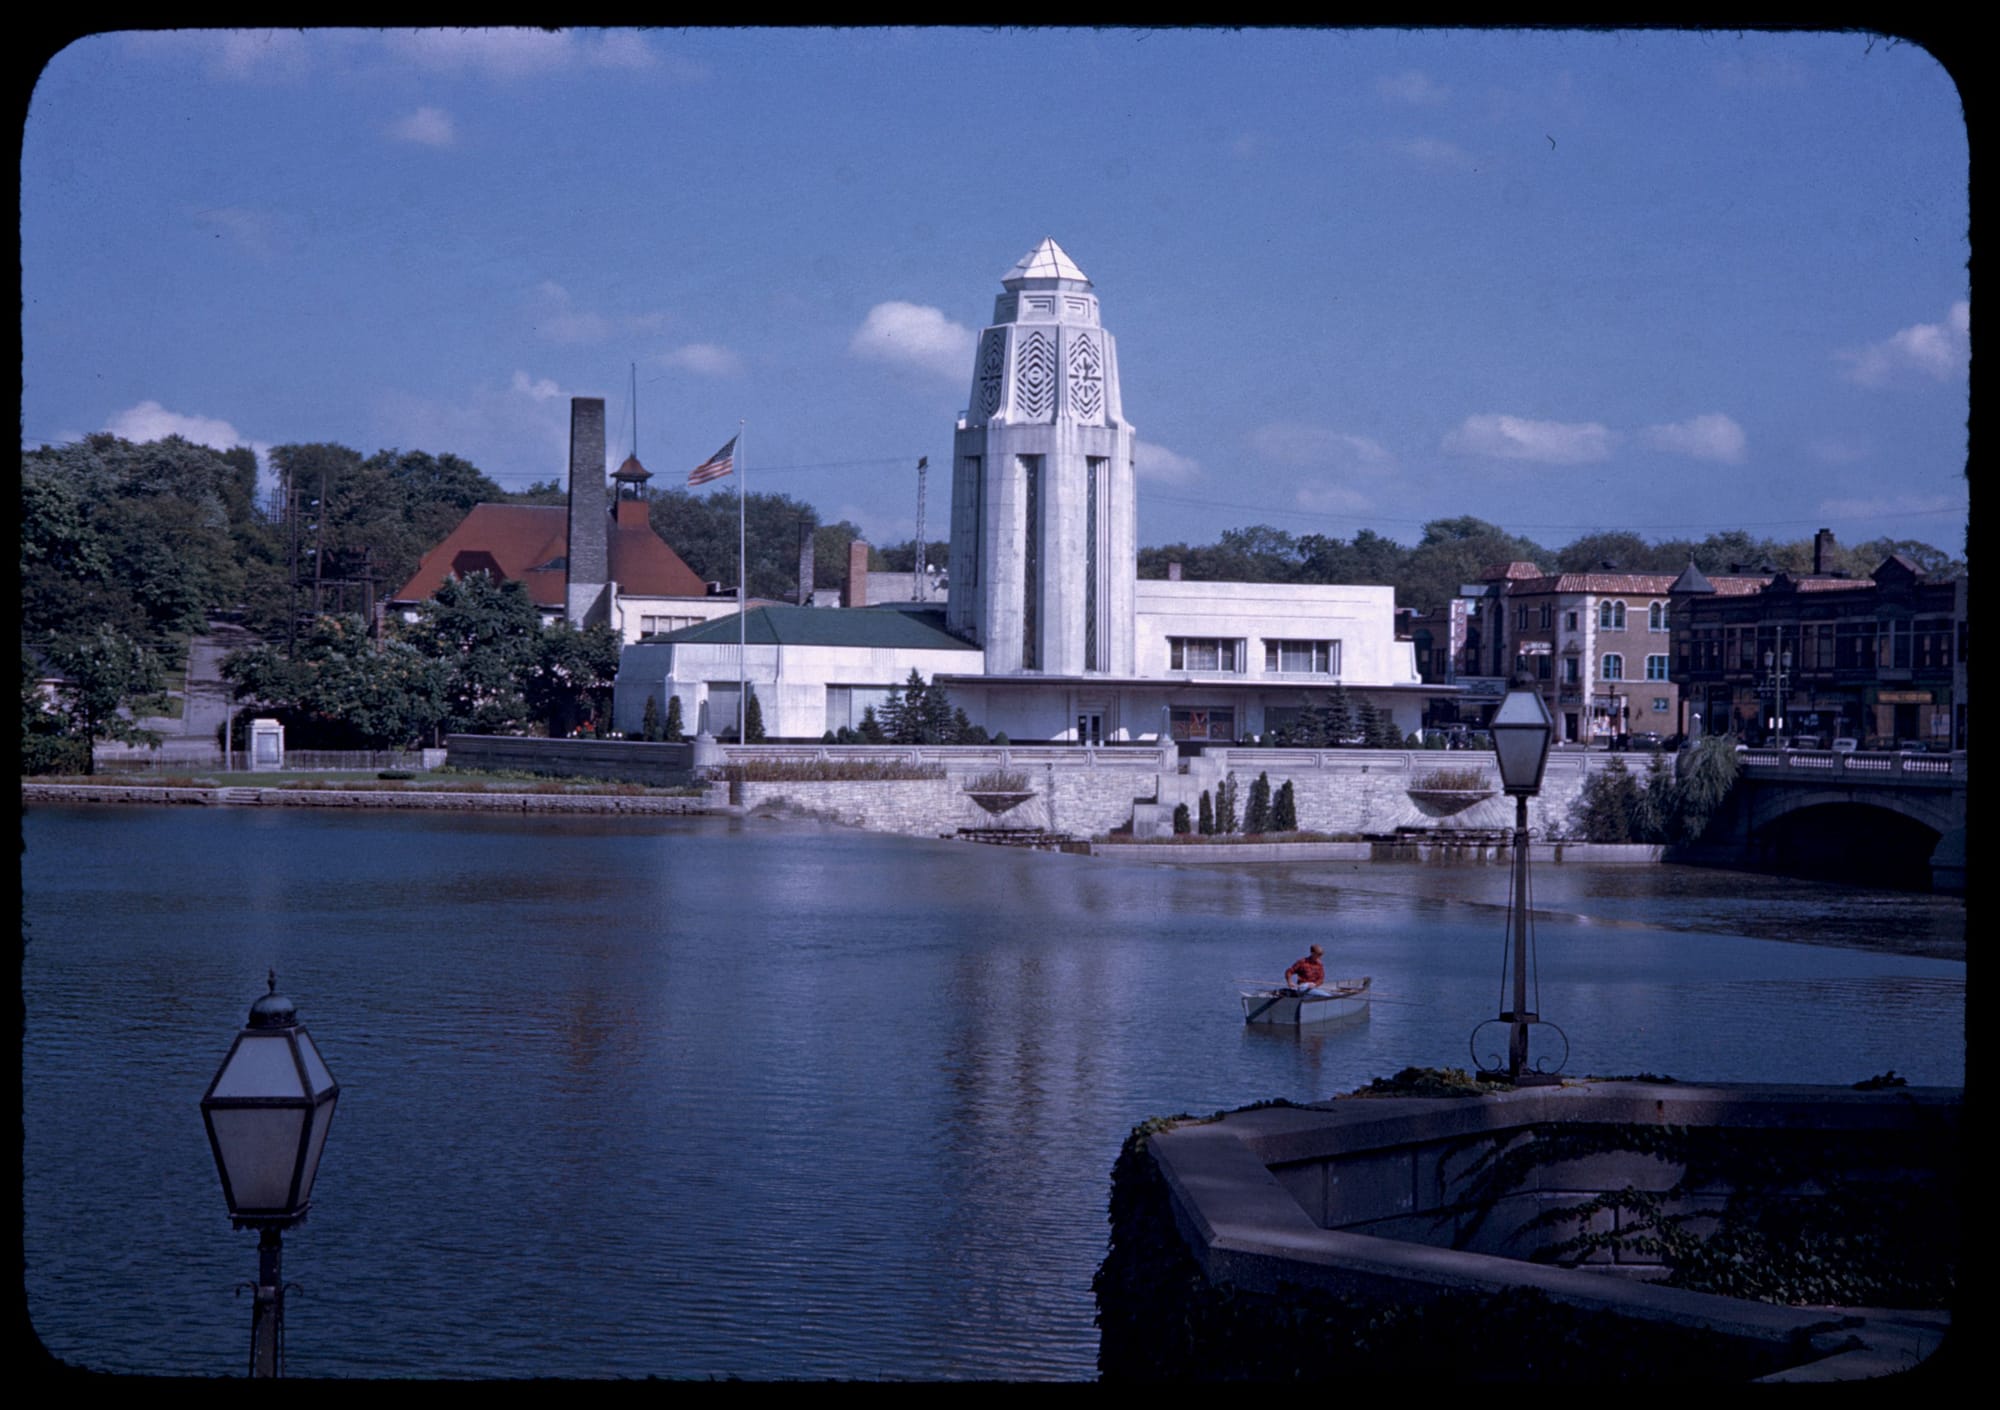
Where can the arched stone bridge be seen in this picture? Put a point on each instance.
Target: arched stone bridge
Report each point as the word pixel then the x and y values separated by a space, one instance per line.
pixel 1852 814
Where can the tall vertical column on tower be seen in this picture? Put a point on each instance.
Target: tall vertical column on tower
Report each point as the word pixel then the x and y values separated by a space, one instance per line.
pixel 1044 514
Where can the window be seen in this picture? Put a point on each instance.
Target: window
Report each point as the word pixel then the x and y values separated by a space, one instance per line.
pixel 1656 617
pixel 1204 653
pixel 1611 617
pixel 848 705
pixel 1569 621
pixel 1570 674
pixel 1542 667
pixel 1521 617
pixel 1612 667
pixel 1546 616
pixel 1656 668
pixel 1211 723
pixel 1317 657
pixel 1661 705
pixel 651 625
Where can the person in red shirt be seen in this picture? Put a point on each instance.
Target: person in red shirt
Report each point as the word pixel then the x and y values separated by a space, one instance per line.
pixel 1310 972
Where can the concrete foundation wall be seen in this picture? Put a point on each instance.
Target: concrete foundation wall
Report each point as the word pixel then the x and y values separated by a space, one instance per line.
pixel 1090 792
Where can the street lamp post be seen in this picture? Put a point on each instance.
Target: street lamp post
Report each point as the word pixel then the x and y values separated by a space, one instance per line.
pixel 267 1113
pixel 1777 682
pixel 1522 729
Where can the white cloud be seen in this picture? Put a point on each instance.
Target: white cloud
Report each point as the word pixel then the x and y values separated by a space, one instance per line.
pixel 707 359
pixel 535 388
pixel 431 127
pixel 149 421
pixel 1431 152
pixel 1936 350
pixel 1517 438
pixel 1411 86
pixel 915 336
pixel 1295 443
pixel 1162 466
pixel 1709 437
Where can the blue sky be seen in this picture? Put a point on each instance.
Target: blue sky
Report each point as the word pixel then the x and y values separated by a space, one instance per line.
pixel 1669 282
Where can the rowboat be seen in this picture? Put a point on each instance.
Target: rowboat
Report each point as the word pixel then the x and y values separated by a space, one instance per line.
pixel 1339 998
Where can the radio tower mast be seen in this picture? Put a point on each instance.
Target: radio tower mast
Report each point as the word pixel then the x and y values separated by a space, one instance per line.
pixel 917 586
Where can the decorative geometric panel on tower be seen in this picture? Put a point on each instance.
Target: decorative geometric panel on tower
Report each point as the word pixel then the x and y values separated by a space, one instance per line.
pixel 1086 378
pixel 992 363
pixel 1035 376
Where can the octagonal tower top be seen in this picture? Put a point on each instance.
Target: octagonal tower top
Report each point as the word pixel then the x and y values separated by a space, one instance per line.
pixel 1046 266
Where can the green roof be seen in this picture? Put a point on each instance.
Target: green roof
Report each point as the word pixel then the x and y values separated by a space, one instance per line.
pixel 826 626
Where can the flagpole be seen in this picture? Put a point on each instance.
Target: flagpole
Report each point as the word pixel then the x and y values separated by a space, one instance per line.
pixel 742 600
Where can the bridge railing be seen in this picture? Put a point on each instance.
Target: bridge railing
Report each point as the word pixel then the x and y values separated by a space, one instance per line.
pixel 1821 766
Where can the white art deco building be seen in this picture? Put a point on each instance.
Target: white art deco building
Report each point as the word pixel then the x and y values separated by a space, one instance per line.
pixel 1047 633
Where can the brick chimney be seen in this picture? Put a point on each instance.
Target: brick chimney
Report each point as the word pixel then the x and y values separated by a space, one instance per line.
pixel 1822 550
pixel 805 563
pixel 589 532
pixel 856 593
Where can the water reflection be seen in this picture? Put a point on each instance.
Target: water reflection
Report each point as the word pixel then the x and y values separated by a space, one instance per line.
pixel 690 1098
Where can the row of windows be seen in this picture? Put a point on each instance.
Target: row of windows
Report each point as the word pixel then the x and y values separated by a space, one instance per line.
pixel 1610 617
pixel 1863 644
pixel 1227 654
pixel 1610 668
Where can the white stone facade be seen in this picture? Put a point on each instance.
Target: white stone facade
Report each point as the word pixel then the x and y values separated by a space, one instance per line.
pixel 1044 507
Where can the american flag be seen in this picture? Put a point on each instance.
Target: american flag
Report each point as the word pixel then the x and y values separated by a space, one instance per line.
pixel 716 466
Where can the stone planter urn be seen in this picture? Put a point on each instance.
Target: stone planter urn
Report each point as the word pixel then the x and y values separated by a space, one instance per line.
pixel 1444 802
pixel 998 803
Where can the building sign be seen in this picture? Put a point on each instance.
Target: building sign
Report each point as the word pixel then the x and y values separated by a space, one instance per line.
pixel 1537 648
pixel 1903 697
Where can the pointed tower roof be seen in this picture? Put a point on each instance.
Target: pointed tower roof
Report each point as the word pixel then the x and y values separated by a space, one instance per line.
pixel 632 471
pixel 1692 579
pixel 1046 261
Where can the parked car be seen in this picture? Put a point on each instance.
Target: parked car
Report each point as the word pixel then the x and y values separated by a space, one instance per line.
pixel 1805 741
pixel 1646 739
pixel 1846 744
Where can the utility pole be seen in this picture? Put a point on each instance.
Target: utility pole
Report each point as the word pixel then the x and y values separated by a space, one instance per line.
pixel 917 593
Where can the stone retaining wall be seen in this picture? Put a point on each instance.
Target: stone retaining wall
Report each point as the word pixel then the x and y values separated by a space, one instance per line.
pixel 1336 790
pixel 367 798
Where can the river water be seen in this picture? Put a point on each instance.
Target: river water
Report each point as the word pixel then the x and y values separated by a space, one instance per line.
pixel 716 1097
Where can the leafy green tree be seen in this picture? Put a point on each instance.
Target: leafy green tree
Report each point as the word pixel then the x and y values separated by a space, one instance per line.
pixel 1206 824
pixel 570 675
pixel 1257 816
pixel 337 689
pixel 107 680
pixel 1386 734
pixel 1704 774
pixel 870 729
pixel 46 745
pixel 485 634
pixel 1182 823
pixel 649 722
pixel 1607 802
pixel 753 717
pixel 675 732
pixel 1285 810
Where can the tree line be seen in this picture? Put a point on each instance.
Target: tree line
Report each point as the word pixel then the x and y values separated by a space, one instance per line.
pixel 127 549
